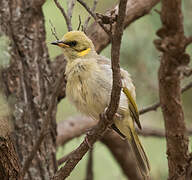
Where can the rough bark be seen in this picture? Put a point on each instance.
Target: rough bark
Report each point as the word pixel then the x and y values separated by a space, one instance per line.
pixel 173 44
pixel 9 163
pixel 29 80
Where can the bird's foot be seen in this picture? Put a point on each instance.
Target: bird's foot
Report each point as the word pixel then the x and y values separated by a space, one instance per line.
pixel 117 115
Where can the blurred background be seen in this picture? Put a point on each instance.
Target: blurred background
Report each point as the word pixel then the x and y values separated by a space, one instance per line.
pixel 141 59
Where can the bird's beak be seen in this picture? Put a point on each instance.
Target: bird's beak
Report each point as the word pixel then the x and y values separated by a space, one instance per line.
pixel 60 43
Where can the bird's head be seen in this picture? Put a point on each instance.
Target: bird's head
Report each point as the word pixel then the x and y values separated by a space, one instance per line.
pixel 75 44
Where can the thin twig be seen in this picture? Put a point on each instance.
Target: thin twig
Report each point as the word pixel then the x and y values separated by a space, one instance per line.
pixel 53 30
pixel 89 17
pixel 94 16
pixel 105 120
pixel 157 105
pixel 79 26
pixel 149 108
pixel 135 10
pixel 186 87
pixel 67 19
pixel 188 41
pixel 156 132
pixel 71 5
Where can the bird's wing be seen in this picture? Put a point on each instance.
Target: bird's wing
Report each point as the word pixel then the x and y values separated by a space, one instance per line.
pixel 132 106
pixel 128 88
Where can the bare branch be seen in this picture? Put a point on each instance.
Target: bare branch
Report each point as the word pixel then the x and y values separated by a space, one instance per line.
pixel 89 17
pixel 78 125
pixel 188 41
pixel 67 19
pixel 115 54
pixel 95 17
pixel 71 5
pixel 53 30
pixel 157 105
pixel 69 128
pixel 186 87
pixel 149 108
pixel 135 10
pixel 79 26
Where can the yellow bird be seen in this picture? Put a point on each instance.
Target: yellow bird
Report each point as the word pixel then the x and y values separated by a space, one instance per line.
pixel 89 85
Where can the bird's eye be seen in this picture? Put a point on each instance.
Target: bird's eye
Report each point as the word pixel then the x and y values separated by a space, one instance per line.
pixel 71 43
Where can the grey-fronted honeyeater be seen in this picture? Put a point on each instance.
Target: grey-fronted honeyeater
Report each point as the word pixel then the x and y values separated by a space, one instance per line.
pixel 89 85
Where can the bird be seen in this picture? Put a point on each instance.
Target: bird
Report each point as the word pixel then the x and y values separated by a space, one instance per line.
pixel 89 86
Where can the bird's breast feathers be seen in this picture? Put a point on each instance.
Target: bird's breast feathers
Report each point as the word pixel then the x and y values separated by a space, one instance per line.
pixel 86 87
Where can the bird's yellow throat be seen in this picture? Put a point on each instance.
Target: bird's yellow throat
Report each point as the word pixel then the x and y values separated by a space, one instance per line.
pixel 84 52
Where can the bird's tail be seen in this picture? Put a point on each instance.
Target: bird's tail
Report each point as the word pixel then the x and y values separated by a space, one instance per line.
pixel 126 127
pixel 141 157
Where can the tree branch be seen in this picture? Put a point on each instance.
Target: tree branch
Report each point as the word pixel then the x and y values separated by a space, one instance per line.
pixel 71 5
pixel 78 125
pixel 70 128
pixel 66 17
pixel 157 105
pixel 95 17
pixel 89 17
pixel 135 10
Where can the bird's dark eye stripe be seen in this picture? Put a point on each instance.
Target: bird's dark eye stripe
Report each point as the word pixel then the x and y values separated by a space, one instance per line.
pixel 71 43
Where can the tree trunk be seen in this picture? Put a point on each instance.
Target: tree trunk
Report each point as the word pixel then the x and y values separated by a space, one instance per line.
pixel 173 46
pixel 29 78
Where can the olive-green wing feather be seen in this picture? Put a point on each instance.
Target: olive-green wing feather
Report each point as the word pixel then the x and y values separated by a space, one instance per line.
pixel 132 106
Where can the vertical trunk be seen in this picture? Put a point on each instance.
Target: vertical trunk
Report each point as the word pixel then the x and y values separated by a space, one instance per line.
pixel 29 78
pixel 173 47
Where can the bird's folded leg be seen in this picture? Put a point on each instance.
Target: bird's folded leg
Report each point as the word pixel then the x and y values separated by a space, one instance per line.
pixel 118 116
